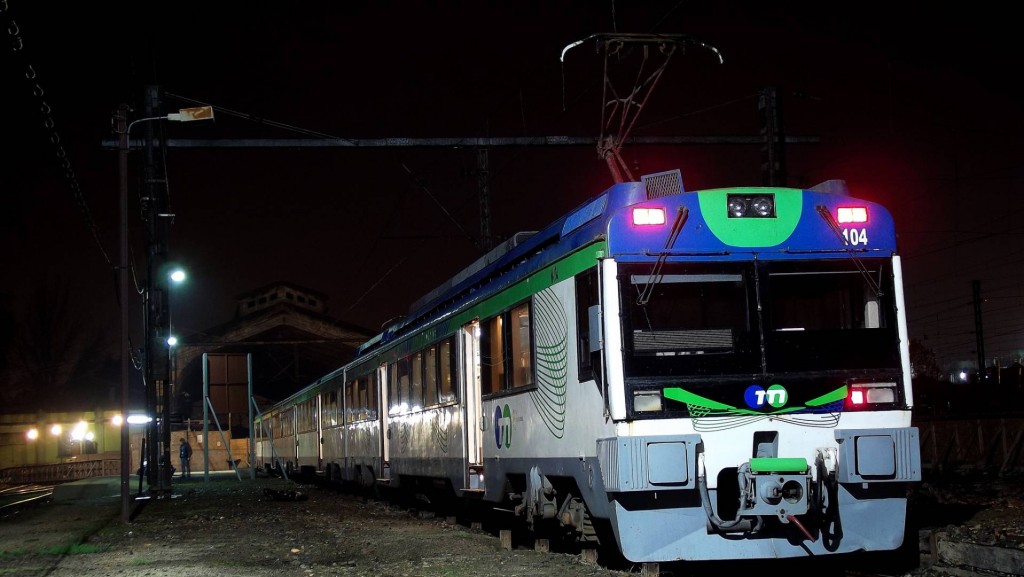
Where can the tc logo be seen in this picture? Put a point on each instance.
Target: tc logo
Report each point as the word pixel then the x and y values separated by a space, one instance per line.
pixel 503 426
pixel 757 396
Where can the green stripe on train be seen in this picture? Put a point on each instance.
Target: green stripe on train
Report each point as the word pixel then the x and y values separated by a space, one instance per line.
pixel 546 277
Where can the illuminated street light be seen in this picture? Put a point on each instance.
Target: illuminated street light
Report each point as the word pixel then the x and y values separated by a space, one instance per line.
pixel 177 276
pixel 32 434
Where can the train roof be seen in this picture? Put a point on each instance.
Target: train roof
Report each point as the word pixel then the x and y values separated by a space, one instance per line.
pixel 579 227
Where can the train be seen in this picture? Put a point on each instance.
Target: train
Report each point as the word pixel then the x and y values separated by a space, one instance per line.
pixel 676 375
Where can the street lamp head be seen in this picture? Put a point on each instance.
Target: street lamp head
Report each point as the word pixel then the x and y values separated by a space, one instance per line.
pixel 178 275
pixel 190 114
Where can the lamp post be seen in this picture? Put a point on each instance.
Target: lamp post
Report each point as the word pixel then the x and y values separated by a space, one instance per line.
pixel 123 129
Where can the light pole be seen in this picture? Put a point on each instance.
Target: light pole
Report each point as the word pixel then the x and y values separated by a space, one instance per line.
pixel 123 129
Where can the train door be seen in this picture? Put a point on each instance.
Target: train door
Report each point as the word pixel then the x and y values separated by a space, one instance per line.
pixel 469 362
pixel 384 401
pixel 318 427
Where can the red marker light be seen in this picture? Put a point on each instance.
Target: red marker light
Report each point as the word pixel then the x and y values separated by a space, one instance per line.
pixel 857 397
pixel 645 216
pixel 852 214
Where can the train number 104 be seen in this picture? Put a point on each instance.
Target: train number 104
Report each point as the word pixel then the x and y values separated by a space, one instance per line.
pixel 855 236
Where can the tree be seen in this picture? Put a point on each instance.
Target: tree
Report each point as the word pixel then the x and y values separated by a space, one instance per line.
pixel 922 361
pixel 54 351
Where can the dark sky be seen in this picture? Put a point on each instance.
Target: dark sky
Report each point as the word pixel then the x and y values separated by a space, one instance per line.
pixel 917 108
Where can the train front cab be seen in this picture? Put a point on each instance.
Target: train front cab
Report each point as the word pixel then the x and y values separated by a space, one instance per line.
pixel 761 398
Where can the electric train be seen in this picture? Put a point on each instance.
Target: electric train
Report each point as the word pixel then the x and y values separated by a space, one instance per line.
pixel 680 375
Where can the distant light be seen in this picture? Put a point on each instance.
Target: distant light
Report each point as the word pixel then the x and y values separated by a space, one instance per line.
pixel 32 434
pixel 56 430
pixel 963 375
pixel 172 340
pixel 178 275
pixel 117 420
pixel 139 419
pixel 80 431
pixel 648 216
pixel 851 214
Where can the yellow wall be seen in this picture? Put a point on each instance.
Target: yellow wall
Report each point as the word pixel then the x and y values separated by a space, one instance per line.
pixel 17 450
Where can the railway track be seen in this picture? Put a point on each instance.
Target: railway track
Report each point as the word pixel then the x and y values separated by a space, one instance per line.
pixel 14 497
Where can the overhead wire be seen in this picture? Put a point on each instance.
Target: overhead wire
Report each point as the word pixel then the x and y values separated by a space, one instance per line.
pixel 261 120
pixel 50 127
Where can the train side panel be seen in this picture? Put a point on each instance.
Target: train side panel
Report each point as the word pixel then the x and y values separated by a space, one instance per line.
pixel 546 433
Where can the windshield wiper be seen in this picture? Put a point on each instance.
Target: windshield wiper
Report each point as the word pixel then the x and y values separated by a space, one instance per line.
pixel 645 295
pixel 838 231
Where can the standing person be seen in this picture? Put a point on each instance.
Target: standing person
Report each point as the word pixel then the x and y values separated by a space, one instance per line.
pixel 185 452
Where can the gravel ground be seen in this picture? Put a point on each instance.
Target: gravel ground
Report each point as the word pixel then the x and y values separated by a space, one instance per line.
pixel 273 527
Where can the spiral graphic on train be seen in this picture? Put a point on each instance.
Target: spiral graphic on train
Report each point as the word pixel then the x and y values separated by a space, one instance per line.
pixel 552 361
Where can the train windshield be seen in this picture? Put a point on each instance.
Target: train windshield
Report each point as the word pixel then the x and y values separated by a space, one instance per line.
pixel 690 319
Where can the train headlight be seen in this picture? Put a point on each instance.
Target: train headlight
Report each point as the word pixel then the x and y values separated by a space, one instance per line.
pixel 751 205
pixel 762 206
pixel 647 401
pixel 870 395
pixel 737 207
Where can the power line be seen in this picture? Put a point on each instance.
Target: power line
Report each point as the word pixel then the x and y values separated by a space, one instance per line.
pixel 50 127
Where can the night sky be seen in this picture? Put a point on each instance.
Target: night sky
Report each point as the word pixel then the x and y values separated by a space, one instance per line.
pixel 916 109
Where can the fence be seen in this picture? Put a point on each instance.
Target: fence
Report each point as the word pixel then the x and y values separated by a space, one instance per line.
pixel 991 445
pixel 60 472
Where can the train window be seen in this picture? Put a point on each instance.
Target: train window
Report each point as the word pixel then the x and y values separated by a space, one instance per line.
pixel 447 361
pixel 506 350
pixel 288 423
pixel 416 381
pixel 402 368
pixel 357 398
pixel 830 314
pixel 430 376
pixel 350 402
pixel 586 297
pixel 692 318
pixel 394 401
pixel 819 300
pixel 492 356
pixel 520 343
pixel 371 395
pixel 307 416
